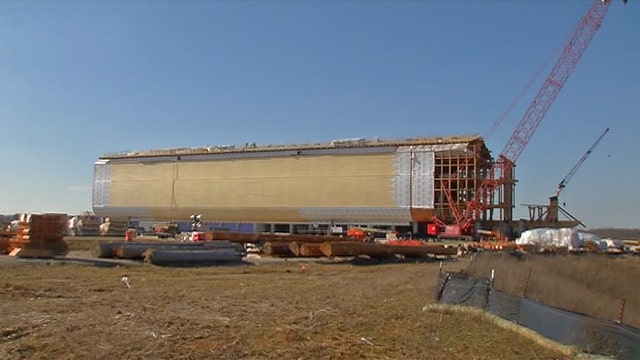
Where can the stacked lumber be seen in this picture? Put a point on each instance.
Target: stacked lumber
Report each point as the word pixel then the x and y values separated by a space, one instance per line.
pixel 277 248
pixel 331 246
pixel 311 250
pixel 134 250
pixel 352 248
pixel 90 225
pixel 266 237
pixel 233 236
pixel 192 257
pixel 114 226
pixel 40 236
pixel 294 248
pixel 106 249
pixel 5 236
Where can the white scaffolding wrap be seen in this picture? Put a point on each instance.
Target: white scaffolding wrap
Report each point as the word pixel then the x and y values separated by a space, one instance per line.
pixel 101 183
pixel 414 182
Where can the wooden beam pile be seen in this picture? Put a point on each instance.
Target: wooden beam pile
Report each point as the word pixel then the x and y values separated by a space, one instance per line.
pixel 172 253
pixel 355 248
pixel 266 237
pixel 114 226
pixel 40 236
pixel 5 237
pixel 311 250
pixel 352 248
pixel 277 248
pixel 332 246
pixel 90 225
pixel 193 257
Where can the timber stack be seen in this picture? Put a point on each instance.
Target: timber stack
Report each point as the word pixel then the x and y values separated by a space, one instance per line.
pixel 40 236
pixel 5 237
pixel 173 253
pixel 352 248
pixel 239 237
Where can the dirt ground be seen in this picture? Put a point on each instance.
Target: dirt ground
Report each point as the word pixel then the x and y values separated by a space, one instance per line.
pixel 265 309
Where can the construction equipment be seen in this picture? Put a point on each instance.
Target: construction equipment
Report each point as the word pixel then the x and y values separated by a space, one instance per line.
pixel 501 172
pixel 575 168
pixel 554 208
pixel 369 234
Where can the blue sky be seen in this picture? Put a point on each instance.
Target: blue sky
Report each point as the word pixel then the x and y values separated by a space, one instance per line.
pixel 82 79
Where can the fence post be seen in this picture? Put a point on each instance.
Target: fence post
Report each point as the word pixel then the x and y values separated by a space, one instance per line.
pixel 444 284
pixel 493 273
pixel 489 288
pixel 621 310
pixel 526 284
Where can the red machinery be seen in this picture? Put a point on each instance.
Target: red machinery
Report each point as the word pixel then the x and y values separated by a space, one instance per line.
pixel 502 168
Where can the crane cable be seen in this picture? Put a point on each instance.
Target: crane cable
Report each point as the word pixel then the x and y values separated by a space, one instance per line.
pixel 524 90
pixel 552 56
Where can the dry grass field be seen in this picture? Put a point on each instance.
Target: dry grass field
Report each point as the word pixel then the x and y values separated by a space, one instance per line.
pixel 273 309
pixel 591 284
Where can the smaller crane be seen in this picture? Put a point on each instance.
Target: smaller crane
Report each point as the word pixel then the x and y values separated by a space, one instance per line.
pixel 553 210
pixel 575 168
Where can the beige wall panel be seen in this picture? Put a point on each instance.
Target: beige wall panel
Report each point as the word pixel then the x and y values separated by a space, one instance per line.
pixel 354 180
pixel 142 172
pixel 146 185
pixel 148 193
pixel 253 214
pixel 310 166
pixel 285 191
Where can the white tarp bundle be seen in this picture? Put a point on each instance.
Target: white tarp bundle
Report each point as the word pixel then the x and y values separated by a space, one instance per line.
pixel 563 237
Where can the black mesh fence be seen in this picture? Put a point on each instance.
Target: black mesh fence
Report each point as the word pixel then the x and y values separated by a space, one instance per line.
pixel 459 290
pixel 595 336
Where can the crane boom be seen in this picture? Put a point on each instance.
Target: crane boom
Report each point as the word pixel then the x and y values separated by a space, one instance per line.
pixel 572 52
pixel 575 168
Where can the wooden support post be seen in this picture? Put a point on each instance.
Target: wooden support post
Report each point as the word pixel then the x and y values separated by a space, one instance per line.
pixel 526 284
pixel 622 303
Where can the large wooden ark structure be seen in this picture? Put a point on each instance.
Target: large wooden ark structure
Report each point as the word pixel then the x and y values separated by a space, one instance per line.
pixel 452 184
pixel 375 182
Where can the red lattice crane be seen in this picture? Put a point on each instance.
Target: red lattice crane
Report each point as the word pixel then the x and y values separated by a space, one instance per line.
pixel 503 166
